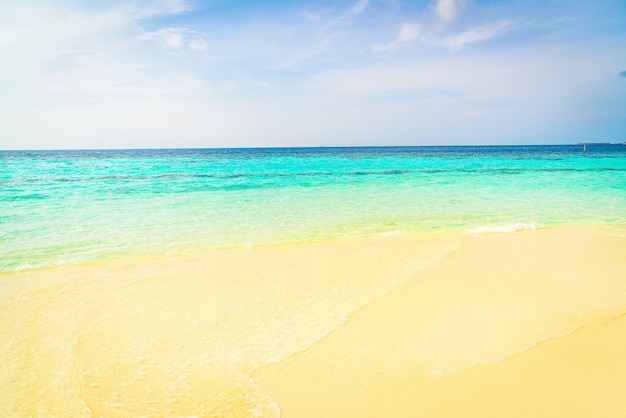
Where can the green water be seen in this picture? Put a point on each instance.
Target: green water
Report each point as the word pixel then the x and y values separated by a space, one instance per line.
pixel 73 206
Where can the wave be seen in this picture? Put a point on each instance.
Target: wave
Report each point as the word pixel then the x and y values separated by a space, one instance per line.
pixel 506 228
pixel 392 233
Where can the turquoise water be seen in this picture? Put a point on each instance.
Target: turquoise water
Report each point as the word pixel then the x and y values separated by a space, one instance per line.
pixel 73 206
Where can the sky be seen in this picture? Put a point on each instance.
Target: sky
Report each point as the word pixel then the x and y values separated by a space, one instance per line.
pixel 84 74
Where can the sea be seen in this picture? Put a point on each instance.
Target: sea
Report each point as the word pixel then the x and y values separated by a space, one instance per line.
pixel 78 206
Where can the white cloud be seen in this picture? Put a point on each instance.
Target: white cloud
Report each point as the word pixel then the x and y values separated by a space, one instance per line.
pixel 441 32
pixel 384 48
pixel 175 38
pixel 152 8
pixel 475 34
pixel 197 44
pixel 449 11
pixel 358 7
pixel 409 32
pixel 66 53
pixel 311 16
pixel 167 38
pixel 520 77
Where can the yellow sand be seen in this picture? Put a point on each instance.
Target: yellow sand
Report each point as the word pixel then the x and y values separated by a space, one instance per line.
pixel 526 324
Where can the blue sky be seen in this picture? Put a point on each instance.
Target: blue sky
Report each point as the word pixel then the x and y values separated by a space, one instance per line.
pixel 185 73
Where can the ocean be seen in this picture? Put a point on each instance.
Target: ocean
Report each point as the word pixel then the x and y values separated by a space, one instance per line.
pixel 60 207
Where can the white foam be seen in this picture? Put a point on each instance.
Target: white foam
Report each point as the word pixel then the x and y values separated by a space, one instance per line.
pixel 504 228
pixel 392 233
pixel 265 405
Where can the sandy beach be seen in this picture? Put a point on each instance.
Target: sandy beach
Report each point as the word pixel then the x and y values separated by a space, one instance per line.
pixel 526 323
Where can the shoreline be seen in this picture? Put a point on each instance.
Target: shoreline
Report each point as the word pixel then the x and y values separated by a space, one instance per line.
pixel 143 256
pixel 350 327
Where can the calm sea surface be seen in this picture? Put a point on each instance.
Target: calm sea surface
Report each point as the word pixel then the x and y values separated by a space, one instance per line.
pixel 61 207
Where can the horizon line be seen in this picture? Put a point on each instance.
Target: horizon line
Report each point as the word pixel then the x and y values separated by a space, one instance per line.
pixel 312 147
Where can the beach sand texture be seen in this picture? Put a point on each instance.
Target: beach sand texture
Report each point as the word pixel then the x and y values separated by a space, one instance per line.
pixel 444 324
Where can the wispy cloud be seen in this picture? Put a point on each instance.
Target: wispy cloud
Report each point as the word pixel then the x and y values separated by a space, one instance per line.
pixel 475 34
pixel 67 52
pixel 454 38
pixel 449 11
pixel 409 32
pixel 147 8
pixel 176 38
pixel 358 7
pixel 167 38
pixel 197 44
pixel 384 48
pixel 311 16
pixel 512 77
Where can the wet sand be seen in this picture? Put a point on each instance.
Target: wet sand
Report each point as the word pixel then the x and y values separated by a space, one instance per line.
pixel 527 323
